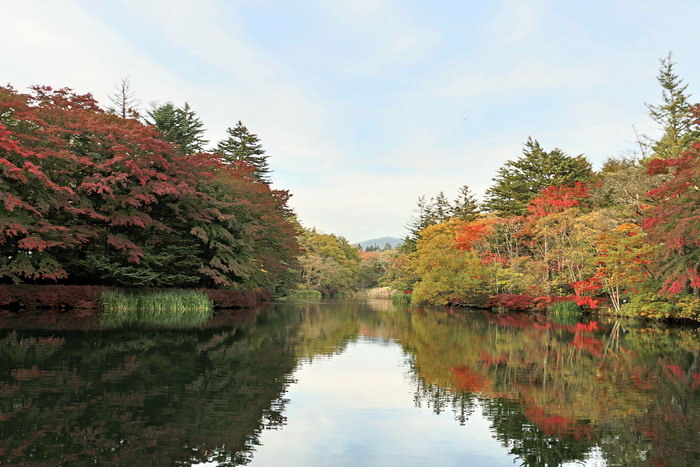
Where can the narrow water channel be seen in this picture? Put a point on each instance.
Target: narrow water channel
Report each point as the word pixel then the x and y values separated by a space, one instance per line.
pixel 348 383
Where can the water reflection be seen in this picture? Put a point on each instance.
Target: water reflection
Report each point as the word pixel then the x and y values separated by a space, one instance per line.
pixel 550 393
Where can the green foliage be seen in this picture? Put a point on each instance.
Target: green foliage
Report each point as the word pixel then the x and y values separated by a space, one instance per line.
pixel 466 207
pixel 401 298
pixel 565 312
pixel 447 274
pixel 242 146
pixel 312 295
pixel 649 305
pixel 173 309
pixel 519 181
pixel 674 115
pixel 373 266
pixel 178 125
pixel 330 264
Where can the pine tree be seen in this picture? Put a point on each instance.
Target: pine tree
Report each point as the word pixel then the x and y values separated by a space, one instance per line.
pixel 466 207
pixel 674 115
pixel 422 218
pixel 179 125
pixel 442 211
pixel 244 146
pixel 519 181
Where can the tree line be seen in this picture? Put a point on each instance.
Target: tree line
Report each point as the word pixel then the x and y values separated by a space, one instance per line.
pixel 552 229
pixel 107 197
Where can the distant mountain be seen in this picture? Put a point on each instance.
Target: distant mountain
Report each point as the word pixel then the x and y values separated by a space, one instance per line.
pixel 380 242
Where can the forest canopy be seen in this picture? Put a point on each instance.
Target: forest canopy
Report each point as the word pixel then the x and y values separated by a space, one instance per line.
pixel 89 196
pixel 626 237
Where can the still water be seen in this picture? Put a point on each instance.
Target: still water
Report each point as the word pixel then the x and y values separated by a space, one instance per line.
pixel 348 383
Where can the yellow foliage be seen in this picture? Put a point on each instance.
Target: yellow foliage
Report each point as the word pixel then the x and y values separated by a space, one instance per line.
pixel 448 275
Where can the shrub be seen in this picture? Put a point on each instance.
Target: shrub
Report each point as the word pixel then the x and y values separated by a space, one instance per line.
pixel 655 306
pixel 401 299
pixel 649 305
pixel 510 302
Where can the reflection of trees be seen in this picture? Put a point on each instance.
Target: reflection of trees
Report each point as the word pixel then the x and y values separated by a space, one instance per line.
pixel 553 393
pixel 156 397
pixel 550 390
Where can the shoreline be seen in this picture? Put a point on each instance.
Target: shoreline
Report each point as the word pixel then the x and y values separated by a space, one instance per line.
pixel 87 297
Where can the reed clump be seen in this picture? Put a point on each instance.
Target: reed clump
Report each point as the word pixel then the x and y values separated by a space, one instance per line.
pixel 565 312
pixel 176 308
pixel 313 295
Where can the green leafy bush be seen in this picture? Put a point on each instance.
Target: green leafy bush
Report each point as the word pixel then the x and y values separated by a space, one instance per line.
pixel 401 299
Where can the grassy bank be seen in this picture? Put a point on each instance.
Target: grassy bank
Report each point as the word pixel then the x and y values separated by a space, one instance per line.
pixel 177 308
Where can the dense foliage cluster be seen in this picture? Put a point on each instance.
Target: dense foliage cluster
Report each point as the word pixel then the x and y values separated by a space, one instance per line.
pixel 329 264
pixel 626 237
pixel 90 197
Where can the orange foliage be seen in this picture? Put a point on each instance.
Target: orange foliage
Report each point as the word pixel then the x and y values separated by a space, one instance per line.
pixel 470 233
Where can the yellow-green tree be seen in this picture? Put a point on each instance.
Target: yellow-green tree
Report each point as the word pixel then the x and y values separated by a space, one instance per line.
pixel 448 274
pixel 330 263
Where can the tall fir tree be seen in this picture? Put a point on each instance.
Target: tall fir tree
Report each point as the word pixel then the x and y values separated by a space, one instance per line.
pixel 442 210
pixel 466 207
pixel 674 115
pixel 519 181
pixel 179 125
pixel 243 146
pixel 423 217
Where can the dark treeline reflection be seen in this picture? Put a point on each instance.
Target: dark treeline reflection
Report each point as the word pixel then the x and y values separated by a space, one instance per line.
pixel 144 397
pixel 553 392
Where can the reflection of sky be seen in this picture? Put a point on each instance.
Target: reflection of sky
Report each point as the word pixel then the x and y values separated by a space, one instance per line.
pixel 357 409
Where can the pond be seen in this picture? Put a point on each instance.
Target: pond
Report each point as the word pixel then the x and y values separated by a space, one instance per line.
pixel 349 383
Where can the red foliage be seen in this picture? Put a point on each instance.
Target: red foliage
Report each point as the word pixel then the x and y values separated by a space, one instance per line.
pixel 590 344
pixel 516 321
pixel 556 425
pixel 74 179
pixel 510 302
pixel 673 221
pixel 465 379
pixel 584 290
pixel 587 328
pixel 557 199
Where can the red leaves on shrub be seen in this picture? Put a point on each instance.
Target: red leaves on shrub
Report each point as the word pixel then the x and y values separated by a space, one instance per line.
pixel 510 302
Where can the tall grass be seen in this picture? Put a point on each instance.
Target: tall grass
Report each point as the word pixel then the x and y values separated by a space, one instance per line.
pixel 173 309
pixel 401 298
pixel 565 312
pixel 314 295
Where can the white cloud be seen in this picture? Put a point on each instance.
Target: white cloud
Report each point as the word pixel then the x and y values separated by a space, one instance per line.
pixel 522 77
pixel 518 21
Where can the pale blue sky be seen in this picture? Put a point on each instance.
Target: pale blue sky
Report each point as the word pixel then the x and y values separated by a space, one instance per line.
pixel 364 105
